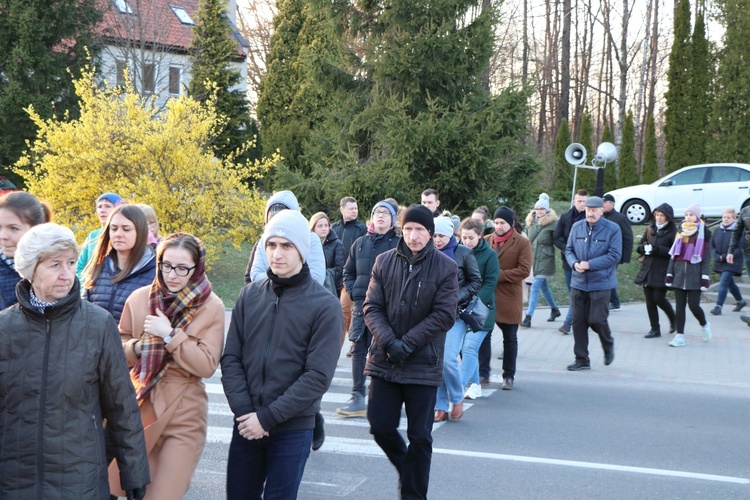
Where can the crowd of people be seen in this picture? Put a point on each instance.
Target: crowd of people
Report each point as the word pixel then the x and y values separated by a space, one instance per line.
pixel 104 346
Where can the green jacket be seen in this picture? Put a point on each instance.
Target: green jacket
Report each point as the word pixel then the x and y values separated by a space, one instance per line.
pixel 489 268
pixel 541 233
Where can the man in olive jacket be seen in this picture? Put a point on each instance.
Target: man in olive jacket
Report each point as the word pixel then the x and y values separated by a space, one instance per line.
pixel 410 304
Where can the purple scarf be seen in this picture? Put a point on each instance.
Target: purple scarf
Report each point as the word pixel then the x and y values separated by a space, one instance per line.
pixel 688 248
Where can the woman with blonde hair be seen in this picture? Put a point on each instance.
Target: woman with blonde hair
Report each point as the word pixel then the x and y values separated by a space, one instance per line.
pixel 153 224
pixel 122 262
pixel 172 331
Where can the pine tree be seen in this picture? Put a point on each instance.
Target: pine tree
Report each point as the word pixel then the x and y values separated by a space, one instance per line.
pixel 586 177
pixel 627 172
pixel 678 120
pixel 563 178
pixel 701 76
pixel 650 170
pixel 610 171
pixel 730 120
pixel 213 79
pixel 42 47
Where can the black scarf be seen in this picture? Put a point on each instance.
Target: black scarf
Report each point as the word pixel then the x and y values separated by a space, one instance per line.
pixel 280 284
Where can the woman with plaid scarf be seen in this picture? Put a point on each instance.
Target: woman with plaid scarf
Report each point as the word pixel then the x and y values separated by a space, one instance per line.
pixel 173 332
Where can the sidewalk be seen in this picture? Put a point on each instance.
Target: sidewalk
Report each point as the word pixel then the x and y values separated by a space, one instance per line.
pixel 725 360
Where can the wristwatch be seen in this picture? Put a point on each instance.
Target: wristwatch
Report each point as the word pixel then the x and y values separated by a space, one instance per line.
pixel 168 337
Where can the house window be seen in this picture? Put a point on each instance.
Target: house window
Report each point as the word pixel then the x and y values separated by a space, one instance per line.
pixel 120 73
pixel 174 80
pixel 182 14
pixel 149 78
pixel 123 6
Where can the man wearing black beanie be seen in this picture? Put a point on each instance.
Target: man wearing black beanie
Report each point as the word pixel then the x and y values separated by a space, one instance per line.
pixel 408 314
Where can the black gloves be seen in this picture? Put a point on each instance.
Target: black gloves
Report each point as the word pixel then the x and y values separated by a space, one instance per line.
pixel 136 493
pixel 398 351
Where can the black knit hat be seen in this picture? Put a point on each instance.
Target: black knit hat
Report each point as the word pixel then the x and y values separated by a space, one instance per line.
pixel 421 215
pixel 506 214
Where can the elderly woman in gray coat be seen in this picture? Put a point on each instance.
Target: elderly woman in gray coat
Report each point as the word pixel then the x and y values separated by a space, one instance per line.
pixel 62 372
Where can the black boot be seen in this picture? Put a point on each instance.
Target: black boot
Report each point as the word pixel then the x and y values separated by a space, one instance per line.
pixel 653 334
pixel 319 432
pixel 526 323
pixel 554 314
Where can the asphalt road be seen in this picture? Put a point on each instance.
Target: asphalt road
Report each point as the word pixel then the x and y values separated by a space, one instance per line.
pixel 609 433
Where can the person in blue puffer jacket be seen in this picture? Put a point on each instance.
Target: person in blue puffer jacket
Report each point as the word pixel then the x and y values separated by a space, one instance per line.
pixel 123 261
pixel 593 250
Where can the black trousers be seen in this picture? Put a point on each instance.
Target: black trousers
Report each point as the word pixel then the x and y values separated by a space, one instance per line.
pixel 590 310
pixel 510 346
pixel 693 299
pixel 384 413
pixel 485 355
pixel 656 298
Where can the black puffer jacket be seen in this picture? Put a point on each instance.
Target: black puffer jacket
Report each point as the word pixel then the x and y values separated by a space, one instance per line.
pixel 112 296
pixel 348 232
pixel 627 233
pixel 741 234
pixel 469 277
pixel 361 259
pixel 719 246
pixel 61 373
pixel 335 258
pixel 654 266
pixel 414 298
pixel 562 231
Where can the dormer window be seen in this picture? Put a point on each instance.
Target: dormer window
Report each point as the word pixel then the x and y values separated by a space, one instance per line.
pixel 182 15
pixel 123 6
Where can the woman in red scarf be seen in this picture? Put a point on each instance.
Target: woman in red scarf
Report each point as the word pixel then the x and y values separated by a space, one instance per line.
pixel 173 333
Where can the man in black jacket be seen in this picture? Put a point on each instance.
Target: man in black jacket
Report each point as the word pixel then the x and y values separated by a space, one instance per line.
pixel 411 303
pixel 279 360
pixel 627 240
pixel 562 231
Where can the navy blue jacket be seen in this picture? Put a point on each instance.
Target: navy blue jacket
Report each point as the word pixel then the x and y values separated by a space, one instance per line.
pixel 112 296
pixel 9 278
pixel 719 249
pixel 601 248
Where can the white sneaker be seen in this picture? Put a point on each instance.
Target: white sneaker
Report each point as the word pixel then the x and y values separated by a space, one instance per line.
pixel 706 332
pixel 474 391
pixel 678 340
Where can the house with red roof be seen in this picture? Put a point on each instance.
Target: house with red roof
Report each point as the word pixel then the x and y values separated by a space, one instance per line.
pixel 148 42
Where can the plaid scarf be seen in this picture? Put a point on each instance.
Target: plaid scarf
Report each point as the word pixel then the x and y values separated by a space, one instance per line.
pixel 180 308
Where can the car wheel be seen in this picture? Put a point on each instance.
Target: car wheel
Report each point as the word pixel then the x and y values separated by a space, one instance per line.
pixel 637 211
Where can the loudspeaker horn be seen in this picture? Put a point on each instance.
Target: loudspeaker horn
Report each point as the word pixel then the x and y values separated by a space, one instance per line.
pixel 606 153
pixel 575 154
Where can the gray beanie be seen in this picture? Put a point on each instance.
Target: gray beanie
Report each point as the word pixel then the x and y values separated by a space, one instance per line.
pixel 40 242
pixel 284 198
pixel 291 225
pixel 444 226
pixel 388 207
pixel 543 202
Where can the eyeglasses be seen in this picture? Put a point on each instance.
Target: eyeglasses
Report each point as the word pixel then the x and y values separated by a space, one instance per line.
pixel 382 212
pixel 179 270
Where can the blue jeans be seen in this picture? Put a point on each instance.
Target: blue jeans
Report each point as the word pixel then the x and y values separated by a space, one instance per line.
pixel 452 387
pixel 540 283
pixel 470 357
pixel 568 274
pixel 727 284
pixel 274 464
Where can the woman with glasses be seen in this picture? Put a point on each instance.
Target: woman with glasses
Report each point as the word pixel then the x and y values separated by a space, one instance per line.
pixel 173 333
pixel 122 262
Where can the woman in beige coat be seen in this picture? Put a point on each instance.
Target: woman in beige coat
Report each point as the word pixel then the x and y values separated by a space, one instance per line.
pixel 173 332
pixel 514 253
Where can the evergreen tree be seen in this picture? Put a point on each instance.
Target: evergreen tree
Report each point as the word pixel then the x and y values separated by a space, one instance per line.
pixel 701 76
pixel 586 177
pixel 214 80
pixel 563 179
pixel 627 172
pixel 730 120
pixel 650 170
pixel 678 120
pixel 610 171
pixel 42 47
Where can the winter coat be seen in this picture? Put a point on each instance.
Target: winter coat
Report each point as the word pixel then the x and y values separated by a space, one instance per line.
pixel 562 231
pixel 348 232
pixel 719 246
pixel 112 296
pixel 654 266
pixel 601 247
pixel 281 352
pixel 469 278
pixel 412 298
pixel 316 261
pixel 515 259
pixel 741 233
pixel 626 230
pixel 61 374
pixel 489 269
pixel 177 405
pixel 335 257
pixel 687 276
pixel 9 278
pixel 541 233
